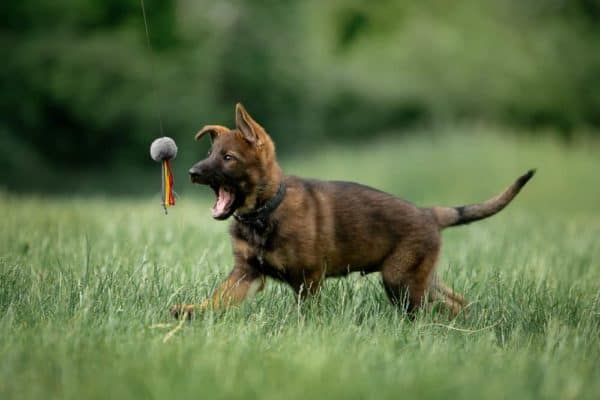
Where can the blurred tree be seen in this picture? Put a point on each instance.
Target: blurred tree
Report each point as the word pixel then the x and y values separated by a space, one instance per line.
pixel 73 77
pixel 80 89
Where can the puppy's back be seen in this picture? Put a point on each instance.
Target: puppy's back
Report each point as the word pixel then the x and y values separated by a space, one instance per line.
pixel 354 226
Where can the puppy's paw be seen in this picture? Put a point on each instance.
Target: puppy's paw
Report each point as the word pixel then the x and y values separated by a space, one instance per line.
pixel 182 311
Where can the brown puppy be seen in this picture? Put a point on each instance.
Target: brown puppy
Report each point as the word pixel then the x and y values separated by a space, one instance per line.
pixel 301 231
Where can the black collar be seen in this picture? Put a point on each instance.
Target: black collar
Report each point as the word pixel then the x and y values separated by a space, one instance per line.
pixel 259 216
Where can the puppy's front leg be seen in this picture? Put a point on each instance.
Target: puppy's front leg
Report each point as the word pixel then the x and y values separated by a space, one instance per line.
pixel 242 282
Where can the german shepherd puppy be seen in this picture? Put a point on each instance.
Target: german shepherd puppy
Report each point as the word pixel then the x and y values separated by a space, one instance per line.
pixel 302 231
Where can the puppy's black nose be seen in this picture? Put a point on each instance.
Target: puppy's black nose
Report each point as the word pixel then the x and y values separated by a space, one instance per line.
pixel 196 174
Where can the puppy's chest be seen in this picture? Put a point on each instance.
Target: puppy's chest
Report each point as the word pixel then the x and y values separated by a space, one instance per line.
pixel 264 247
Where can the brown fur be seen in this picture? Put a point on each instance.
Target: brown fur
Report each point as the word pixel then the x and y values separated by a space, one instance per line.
pixel 326 229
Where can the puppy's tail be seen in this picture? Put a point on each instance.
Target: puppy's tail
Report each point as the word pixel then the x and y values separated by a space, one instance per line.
pixel 453 216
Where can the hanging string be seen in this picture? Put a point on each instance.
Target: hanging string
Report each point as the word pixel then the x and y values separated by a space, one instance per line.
pixel 152 73
pixel 167 192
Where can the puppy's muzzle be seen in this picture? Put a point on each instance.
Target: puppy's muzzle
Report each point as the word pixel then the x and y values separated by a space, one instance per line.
pixel 198 175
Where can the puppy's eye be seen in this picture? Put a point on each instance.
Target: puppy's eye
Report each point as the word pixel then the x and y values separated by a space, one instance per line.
pixel 227 157
pixel 209 152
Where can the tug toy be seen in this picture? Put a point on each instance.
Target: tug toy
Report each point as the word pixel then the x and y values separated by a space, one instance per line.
pixel 163 150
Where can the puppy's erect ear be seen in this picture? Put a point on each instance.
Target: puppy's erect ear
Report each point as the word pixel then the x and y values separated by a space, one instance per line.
pixel 250 129
pixel 213 130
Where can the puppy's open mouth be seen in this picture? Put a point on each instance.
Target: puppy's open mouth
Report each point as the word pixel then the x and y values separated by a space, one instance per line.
pixel 223 207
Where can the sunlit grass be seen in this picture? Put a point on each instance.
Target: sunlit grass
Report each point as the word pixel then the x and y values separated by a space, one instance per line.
pixel 83 280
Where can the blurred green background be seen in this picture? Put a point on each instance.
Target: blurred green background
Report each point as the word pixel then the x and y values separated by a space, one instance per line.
pixel 440 102
pixel 82 94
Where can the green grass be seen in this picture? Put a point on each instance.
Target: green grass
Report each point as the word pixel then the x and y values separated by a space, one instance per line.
pixel 82 280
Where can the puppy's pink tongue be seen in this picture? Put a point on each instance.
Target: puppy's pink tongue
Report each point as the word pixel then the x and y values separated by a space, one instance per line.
pixel 224 200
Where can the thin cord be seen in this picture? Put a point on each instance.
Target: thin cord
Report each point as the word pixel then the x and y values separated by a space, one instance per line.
pixel 153 75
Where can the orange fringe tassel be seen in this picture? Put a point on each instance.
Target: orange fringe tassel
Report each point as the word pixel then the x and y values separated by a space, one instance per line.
pixel 168 197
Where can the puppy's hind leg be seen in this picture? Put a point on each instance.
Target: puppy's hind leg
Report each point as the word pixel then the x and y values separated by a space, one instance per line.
pixel 409 275
pixel 406 277
pixel 444 289
pixel 448 299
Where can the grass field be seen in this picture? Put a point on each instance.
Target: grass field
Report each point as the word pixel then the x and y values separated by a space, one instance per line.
pixel 83 281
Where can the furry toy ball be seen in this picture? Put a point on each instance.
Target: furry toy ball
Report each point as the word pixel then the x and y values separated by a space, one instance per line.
pixel 163 150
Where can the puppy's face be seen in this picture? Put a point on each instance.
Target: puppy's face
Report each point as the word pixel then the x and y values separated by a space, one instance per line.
pixel 238 164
